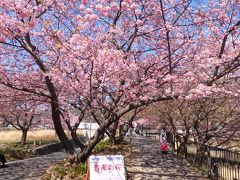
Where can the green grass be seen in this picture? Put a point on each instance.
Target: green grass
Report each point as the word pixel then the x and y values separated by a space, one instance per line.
pixel 60 170
pixel 80 169
pixel 15 150
pixel 102 146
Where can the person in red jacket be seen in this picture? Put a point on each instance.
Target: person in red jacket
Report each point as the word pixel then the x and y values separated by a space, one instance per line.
pixel 163 141
pixel 164 147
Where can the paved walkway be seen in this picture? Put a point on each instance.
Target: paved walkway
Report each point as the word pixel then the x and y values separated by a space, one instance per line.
pixel 30 169
pixel 146 162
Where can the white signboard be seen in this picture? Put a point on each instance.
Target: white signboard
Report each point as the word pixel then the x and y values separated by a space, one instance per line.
pixel 107 167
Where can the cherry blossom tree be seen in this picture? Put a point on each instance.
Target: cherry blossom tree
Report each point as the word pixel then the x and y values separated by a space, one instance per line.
pixel 20 111
pixel 209 121
pixel 115 56
pixel 72 122
pixel 106 92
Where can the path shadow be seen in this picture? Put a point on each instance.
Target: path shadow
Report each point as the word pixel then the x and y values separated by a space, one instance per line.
pixel 30 169
pixel 146 162
pixel 3 166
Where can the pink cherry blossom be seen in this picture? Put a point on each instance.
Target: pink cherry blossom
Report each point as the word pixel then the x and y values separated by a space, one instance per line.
pixel 118 55
pixel 133 7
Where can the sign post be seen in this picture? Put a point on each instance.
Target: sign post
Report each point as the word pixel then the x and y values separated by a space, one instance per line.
pixel 107 167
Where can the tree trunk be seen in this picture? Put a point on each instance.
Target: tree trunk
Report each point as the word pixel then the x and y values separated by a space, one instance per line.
pixel 83 156
pixel 59 129
pixel 185 138
pixel 76 140
pixel 99 134
pixel 112 138
pixel 57 119
pixel 124 129
pixel 200 156
pixel 74 135
pixel 24 136
pixel 178 143
pixel 30 48
pixel 113 133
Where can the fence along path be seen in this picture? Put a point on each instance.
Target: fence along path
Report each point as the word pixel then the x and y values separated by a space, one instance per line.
pixel 228 163
pixel 222 163
pixel 147 162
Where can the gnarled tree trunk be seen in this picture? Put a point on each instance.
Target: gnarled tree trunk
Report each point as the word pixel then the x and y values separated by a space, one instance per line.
pixel 86 152
pixel 99 134
pixel 24 136
pixel 74 135
pixel 124 129
pixel 57 119
pixel 185 142
pixel 31 49
pixel 200 156
pixel 113 132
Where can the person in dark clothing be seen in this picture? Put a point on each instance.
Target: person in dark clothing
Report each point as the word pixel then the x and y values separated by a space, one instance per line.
pixel 3 159
pixel 137 128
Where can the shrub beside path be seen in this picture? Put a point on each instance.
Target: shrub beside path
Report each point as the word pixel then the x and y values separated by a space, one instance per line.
pixel 146 162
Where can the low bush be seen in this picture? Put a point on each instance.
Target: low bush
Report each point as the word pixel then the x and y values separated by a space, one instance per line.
pixel 14 151
pixel 66 171
pixel 80 169
pixel 78 172
pixel 102 146
pixel 60 171
pixel 17 151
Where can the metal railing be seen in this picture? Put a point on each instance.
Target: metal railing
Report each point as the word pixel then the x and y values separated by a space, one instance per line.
pixel 220 163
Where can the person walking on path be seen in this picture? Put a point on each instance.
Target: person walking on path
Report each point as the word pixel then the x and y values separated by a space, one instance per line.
pixel 137 128
pixel 147 164
pixel 163 141
pixel 131 128
pixel 163 135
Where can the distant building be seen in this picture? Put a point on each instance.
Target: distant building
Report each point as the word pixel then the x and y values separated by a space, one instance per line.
pixel 88 129
pixel 85 125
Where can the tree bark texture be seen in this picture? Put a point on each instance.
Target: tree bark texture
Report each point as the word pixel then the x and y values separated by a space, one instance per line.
pixel 24 136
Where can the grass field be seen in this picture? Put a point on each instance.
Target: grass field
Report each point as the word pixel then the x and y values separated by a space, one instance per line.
pixel 10 142
pixel 9 136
